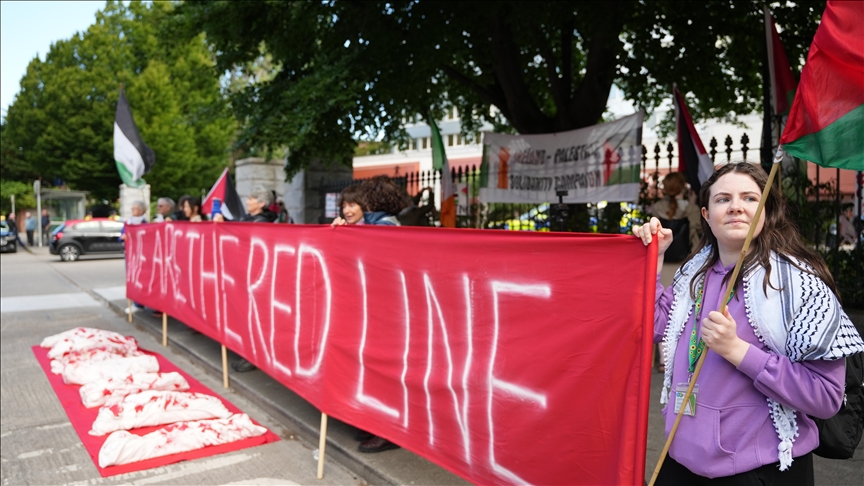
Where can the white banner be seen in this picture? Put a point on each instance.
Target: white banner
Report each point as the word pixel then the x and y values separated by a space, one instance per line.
pixel 593 164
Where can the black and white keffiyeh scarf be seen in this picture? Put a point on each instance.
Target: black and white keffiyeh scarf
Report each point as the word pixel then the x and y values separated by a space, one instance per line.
pixel 802 320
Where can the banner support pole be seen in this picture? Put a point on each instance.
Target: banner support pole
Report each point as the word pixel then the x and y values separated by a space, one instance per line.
pixel 164 329
pixel 224 366
pixel 129 310
pixel 777 158
pixel 322 445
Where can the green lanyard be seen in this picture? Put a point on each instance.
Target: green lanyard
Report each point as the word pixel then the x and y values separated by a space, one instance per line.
pixel 696 349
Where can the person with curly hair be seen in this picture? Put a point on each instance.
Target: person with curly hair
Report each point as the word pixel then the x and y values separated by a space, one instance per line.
pixel 384 200
pixel 376 201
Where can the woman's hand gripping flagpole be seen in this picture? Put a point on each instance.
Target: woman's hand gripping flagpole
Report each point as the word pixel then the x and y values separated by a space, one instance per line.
pixel 729 288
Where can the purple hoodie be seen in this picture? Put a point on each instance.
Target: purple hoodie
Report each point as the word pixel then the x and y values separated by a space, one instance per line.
pixel 732 431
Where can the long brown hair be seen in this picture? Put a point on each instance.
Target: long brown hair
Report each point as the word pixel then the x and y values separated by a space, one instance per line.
pixel 779 234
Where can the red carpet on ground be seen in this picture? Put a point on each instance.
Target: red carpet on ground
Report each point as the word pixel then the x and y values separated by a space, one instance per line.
pixel 82 419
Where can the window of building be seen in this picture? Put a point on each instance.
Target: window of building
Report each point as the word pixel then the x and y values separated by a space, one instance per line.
pixel 449 140
pixel 415 144
pixel 425 141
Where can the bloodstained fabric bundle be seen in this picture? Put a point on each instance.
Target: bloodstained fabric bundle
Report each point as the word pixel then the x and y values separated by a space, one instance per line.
pixel 503 357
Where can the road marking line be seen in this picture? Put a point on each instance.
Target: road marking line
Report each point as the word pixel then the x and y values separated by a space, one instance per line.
pixel 28 455
pixel 54 426
pixel 46 302
pixel 112 293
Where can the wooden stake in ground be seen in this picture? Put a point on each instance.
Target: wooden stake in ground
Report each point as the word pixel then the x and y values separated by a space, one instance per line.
pixel 224 366
pixel 322 445
pixel 753 224
pixel 164 329
pixel 129 310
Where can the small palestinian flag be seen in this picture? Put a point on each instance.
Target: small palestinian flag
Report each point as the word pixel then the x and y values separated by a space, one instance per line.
pixel 231 208
pixel 133 157
pixel 693 160
pixel 826 121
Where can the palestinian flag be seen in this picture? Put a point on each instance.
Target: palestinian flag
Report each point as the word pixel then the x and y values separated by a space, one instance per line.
pixel 826 121
pixel 693 160
pixel 783 82
pixel 448 189
pixel 231 208
pixel 132 156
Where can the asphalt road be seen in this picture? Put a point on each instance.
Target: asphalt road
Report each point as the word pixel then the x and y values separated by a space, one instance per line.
pixel 42 296
pixel 33 422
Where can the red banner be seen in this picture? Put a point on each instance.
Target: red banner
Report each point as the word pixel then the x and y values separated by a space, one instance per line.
pixel 504 357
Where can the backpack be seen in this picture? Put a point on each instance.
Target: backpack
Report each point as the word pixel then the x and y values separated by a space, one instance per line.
pixel 840 434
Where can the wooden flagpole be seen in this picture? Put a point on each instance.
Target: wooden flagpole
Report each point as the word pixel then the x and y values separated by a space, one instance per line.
pixel 224 366
pixel 777 158
pixel 322 445
pixel 129 310
pixel 164 329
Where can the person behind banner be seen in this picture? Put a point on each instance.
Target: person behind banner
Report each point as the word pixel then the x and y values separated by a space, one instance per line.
pixel 376 201
pixel 164 210
pixel 191 207
pixel 353 205
pixel 776 351
pixel 180 214
pixel 257 211
pixel 680 215
pixel 138 210
pixel 384 201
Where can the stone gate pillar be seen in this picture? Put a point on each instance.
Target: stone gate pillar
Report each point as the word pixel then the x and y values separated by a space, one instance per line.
pixel 303 194
pixel 255 171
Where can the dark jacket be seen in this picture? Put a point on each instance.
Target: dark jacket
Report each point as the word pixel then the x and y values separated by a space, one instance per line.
pixel 262 217
pixel 380 218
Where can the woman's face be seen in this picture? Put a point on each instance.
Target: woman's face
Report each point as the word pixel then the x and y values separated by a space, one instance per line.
pixel 188 210
pixel 352 211
pixel 254 206
pixel 731 207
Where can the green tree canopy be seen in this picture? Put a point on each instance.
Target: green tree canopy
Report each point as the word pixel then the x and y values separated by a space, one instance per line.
pixel 355 70
pixel 61 122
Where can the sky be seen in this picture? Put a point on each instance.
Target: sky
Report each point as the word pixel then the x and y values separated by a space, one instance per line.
pixel 27 30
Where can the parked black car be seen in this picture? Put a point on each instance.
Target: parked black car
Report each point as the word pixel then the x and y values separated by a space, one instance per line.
pixel 81 237
pixel 7 239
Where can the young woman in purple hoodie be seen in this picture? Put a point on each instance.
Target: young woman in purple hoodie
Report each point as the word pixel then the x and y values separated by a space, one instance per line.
pixel 775 354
